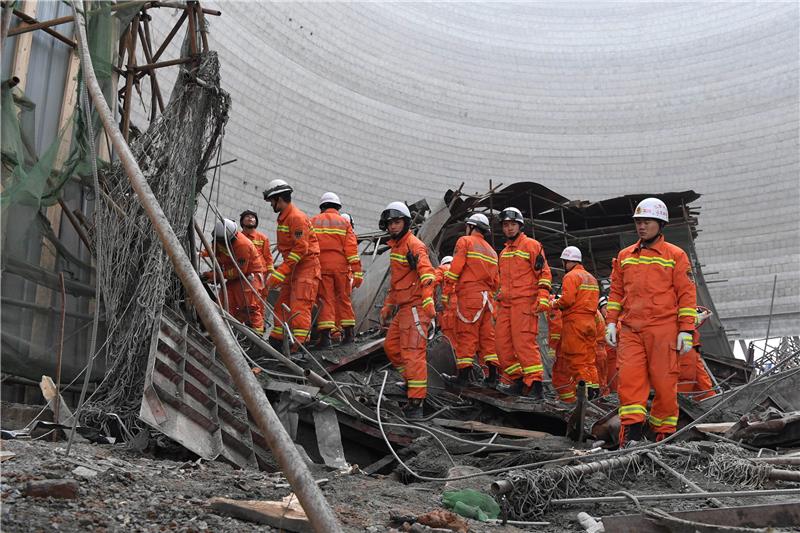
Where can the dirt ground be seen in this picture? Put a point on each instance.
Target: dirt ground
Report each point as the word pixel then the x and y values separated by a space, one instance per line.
pixel 131 491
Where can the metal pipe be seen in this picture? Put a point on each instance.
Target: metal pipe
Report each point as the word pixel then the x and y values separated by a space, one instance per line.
pixel 319 513
pixel 683 479
pixel 675 496
pixel 771 305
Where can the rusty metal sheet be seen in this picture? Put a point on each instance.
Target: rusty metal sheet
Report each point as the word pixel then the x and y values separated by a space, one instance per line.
pixel 188 396
pixel 754 516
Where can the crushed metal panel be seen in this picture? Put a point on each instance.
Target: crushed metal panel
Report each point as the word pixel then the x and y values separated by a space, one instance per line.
pixel 188 397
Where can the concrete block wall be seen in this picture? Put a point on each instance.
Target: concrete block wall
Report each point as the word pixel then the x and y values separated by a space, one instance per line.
pixel 380 102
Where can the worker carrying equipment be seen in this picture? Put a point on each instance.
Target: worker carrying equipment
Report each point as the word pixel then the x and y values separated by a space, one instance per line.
pixel 473 278
pixel 525 283
pixel 299 274
pixel 249 222
pixel 410 303
pixel 652 302
pixel 339 263
pixel 578 304
pixel 231 248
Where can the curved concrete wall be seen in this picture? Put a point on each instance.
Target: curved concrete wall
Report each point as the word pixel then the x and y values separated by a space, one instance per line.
pixel 399 101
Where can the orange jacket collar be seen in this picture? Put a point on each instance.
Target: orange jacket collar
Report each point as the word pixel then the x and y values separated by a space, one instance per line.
pixel 393 243
pixel 286 212
pixel 657 245
pixel 331 210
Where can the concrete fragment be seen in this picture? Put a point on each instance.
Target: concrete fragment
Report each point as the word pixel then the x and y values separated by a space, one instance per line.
pixel 52 488
pixel 82 471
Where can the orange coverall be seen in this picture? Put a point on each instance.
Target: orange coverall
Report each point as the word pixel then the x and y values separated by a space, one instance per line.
pixel 411 295
pixel 601 356
pixel 693 376
pixel 561 381
pixel 653 298
pixel 525 283
pixel 578 303
pixel 338 257
pixel 261 243
pixel 473 277
pixel 446 316
pixel 243 302
pixel 298 275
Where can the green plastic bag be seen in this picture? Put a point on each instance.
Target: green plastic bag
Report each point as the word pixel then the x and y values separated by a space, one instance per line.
pixel 471 503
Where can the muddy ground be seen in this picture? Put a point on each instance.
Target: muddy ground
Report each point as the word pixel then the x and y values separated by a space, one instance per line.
pixel 132 491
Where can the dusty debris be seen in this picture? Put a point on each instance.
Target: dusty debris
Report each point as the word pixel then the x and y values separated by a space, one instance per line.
pixel 444 520
pixel 52 488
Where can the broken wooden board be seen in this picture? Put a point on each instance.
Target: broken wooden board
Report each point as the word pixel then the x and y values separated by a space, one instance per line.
pixel 53 397
pixel 286 514
pixel 719 427
pixel 473 425
pixel 753 516
pixel 6 455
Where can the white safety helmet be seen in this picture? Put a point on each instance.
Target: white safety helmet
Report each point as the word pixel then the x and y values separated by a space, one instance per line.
pixel 512 213
pixel 480 221
pixel 571 253
pixel 220 229
pixel 392 211
pixel 348 218
pixel 330 198
pixel 602 302
pixel 276 187
pixel 652 208
pixel 446 260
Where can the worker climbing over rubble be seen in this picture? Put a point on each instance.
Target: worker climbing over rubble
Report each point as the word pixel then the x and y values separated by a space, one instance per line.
pixel 299 274
pixel 444 313
pixel 578 304
pixel 560 378
pixel 408 305
pixel 249 222
pixel 651 313
pixel 693 379
pixel 473 278
pixel 339 262
pixel 525 283
pixel 242 284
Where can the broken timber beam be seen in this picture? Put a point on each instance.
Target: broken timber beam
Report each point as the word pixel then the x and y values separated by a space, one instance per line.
pixel 474 425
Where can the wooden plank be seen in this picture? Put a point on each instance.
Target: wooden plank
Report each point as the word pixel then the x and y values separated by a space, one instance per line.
pixel 720 427
pixel 286 514
pixel 52 396
pixel 753 516
pixel 22 50
pixel 473 425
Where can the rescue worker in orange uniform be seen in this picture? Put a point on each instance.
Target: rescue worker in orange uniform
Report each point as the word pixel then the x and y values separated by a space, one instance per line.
pixel 445 315
pixel 249 222
pixel 408 305
pixel 473 278
pixel 525 283
pixel 232 248
pixel 651 311
pixel 355 280
pixel 611 353
pixel 601 357
pixel 578 304
pixel 693 379
pixel 339 260
pixel 560 373
pixel 299 274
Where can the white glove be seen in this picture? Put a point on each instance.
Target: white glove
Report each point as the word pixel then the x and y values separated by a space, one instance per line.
pixel 611 334
pixel 684 343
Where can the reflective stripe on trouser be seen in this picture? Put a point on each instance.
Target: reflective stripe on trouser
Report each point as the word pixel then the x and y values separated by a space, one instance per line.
pixel 562 379
pixel 334 301
pixel 515 338
pixel 474 337
pixel 648 358
pixel 406 348
pixel 693 376
pixel 298 293
pixel 244 304
pixel 578 334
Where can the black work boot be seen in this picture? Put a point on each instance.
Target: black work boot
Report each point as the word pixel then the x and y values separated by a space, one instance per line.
pixel 324 341
pixel 276 343
pixel 632 435
pixel 349 335
pixel 537 391
pixel 492 379
pixel 513 389
pixel 413 409
pixel 464 375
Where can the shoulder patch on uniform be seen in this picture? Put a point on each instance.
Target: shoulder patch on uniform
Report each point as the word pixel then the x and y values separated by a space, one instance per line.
pixel 690 275
pixel 298 233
